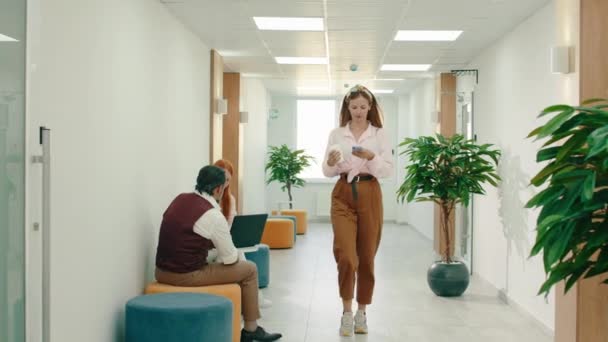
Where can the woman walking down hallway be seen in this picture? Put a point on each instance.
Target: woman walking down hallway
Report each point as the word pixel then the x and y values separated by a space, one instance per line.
pixel 359 152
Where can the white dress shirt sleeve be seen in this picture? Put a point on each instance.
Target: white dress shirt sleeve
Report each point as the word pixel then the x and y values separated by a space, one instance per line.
pixel 213 226
pixel 340 167
pixel 381 166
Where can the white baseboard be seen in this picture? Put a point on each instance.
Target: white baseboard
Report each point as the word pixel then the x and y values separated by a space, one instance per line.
pixel 504 296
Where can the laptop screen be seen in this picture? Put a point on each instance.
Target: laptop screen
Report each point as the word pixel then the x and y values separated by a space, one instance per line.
pixel 247 230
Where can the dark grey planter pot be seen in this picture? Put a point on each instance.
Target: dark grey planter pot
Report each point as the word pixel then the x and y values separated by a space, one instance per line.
pixel 448 280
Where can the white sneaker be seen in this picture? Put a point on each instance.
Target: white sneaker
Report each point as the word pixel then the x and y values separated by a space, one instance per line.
pixel 360 322
pixel 346 325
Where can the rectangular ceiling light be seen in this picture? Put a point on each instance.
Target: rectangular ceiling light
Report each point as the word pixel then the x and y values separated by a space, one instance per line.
pixel 388 79
pixel 427 36
pixel 405 67
pixel 382 91
pixel 4 38
pixel 289 24
pixel 301 60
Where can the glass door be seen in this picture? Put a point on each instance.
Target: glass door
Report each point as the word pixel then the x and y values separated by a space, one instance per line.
pixel 12 169
pixel 464 216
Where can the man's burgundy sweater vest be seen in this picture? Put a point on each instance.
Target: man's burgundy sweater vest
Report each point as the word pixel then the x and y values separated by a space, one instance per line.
pixel 180 249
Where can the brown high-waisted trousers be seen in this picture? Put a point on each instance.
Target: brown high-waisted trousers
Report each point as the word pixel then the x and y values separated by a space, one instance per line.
pixel 357 226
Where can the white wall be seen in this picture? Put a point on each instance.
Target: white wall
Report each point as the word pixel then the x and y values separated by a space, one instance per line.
pixel 416 119
pixel 283 131
pixel 124 88
pixel 515 83
pixel 256 101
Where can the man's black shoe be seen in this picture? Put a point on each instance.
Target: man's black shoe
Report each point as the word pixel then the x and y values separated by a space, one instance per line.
pixel 259 335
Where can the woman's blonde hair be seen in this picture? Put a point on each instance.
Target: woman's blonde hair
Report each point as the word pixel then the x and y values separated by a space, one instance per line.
pixel 375 113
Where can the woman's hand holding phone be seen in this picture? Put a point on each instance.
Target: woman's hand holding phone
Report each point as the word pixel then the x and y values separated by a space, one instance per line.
pixel 363 153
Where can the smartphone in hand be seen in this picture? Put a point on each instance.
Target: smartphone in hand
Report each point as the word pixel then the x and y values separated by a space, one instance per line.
pixel 357 149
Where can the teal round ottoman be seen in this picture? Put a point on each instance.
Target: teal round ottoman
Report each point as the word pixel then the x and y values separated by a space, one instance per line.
pixel 180 317
pixel 261 257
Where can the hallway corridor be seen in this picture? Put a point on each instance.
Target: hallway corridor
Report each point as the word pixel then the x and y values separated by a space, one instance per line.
pixel 306 307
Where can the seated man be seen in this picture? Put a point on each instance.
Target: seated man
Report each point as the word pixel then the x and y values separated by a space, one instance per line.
pixel 193 225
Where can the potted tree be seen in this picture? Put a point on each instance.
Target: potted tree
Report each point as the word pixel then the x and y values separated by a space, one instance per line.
pixel 572 226
pixel 447 171
pixel 284 165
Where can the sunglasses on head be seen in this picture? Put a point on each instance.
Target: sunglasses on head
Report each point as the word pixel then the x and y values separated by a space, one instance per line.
pixel 359 89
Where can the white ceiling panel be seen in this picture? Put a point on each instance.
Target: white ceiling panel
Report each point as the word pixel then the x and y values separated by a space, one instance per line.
pixel 360 36
pixel 283 38
pixel 357 45
pixel 355 23
pixel 435 22
pixel 347 9
pixel 359 32
pixel 311 69
pixel 416 49
pixel 299 50
pixel 283 8
pixel 410 59
pixel 359 54
pixel 454 60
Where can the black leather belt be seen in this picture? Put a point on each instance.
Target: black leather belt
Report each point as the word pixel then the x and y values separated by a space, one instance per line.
pixel 356 179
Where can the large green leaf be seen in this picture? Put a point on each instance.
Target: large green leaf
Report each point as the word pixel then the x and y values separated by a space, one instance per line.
pixel 555 123
pixel 598 141
pixel 555 108
pixel 571 225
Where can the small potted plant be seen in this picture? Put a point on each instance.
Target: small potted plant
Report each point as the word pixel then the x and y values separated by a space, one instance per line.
pixel 572 226
pixel 447 171
pixel 284 166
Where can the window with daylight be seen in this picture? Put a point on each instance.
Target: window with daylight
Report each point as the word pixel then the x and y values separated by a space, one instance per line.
pixel 315 120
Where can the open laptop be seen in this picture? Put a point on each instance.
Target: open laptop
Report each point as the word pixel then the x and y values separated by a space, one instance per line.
pixel 247 230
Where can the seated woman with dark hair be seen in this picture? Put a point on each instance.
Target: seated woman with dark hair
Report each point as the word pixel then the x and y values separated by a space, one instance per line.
pixel 228 205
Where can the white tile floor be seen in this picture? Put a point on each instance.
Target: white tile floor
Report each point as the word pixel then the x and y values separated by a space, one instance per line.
pixel 306 306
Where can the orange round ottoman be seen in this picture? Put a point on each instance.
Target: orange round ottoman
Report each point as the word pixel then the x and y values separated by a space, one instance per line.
pixel 278 233
pixel 230 291
pixel 301 218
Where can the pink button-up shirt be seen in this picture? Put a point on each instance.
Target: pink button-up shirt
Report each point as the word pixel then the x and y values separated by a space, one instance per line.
pixel 373 139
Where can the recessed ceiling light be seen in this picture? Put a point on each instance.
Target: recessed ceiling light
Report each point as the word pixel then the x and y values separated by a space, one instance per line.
pixel 422 36
pixel 388 79
pixel 4 38
pixel 382 91
pixel 405 67
pixel 301 60
pixel 289 24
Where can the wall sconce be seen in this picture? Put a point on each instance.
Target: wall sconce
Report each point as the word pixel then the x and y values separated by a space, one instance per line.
pixel 221 106
pixel 243 117
pixel 560 59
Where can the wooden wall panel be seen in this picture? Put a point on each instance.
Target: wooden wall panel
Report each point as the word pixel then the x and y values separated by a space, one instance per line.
pixel 582 315
pixel 446 106
pixel 231 130
pixel 594 49
pixel 592 304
